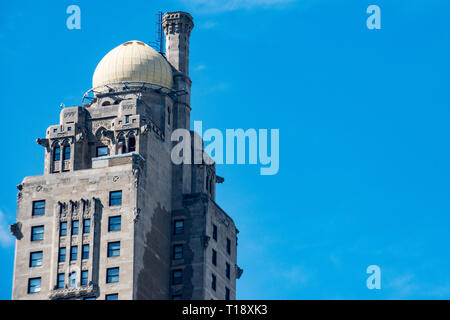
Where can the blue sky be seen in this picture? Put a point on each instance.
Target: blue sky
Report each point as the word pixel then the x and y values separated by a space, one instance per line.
pixel 363 119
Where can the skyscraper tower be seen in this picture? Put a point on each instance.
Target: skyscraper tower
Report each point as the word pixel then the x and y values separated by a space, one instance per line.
pixel 112 217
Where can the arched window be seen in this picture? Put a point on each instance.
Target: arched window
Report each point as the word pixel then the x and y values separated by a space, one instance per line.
pixel 56 154
pixel 106 103
pixel 121 146
pixel 66 153
pixel 131 144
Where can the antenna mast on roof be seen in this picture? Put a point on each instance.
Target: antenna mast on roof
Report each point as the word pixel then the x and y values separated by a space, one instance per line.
pixel 158 44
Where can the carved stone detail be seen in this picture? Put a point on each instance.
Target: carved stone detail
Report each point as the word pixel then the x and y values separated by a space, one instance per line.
pixel 16 230
pixel 205 241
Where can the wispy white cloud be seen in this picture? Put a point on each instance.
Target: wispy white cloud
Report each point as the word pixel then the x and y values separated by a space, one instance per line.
pixel 6 240
pixel 206 25
pixel 199 67
pixel 214 6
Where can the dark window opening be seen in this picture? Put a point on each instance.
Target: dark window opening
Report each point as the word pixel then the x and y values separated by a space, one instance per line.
pixel 73 253
pixel 75 227
pixel 115 198
pixel 84 277
pixel 227 270
pixel 38 208
pixel 213 282
pixel 66 154
pixel 63 229
pixel 85 252
pixel 37 233
pixel 214 257
pixel 112 296
pixel 178 227
pixel 114 223
pixel 86 225
pixel 60 281
pixel 228 246
pixel 131 144
pixel 36 259
pixel 62 255
pixel 178 251
pixel 114 249
pixel 57 154
pixel 122 147
pixel 214 232
pixel 34 285
pixel 112 275
pixel 102 151
pixel 177 277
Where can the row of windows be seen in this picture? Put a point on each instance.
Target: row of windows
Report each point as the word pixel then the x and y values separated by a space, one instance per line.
pixel 57 153
pixel 34 284
pixel 74 253
pixel 178 228
pixel 227 265
pixel 72 279
pixel 114 224
pixel 115 199
pixel 113 251
pixel 180 297
pixel 177 278
pixel 214 236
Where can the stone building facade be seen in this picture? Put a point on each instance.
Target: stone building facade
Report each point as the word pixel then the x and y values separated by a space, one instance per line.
pixel 112 217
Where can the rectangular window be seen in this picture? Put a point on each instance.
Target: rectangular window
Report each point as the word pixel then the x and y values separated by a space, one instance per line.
pixel 86 225
pixel 127 119
pixel 63 229
pixel 56 154
pixel 227 294
pixel 214 257
pixel 178 227
pixel 114 223
pixel 36 259
pixel 75 227
pixel 73 279
pixel 114 249
pixel 178 251
pixel 84 278
pixel 214 232
pixel 112 296
pixel 89 298
pixel 62 255
pixel 38 208
pixel 34 285
pixel 73 253
pixel 213 282
pixel 60 281
pixel 115 198
pixel 66 153
pixel 177 277
pixel 102 151
pixel 112 275
pixel 85 252
pixel 227 270
pixel 37 233
pixel 228 246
